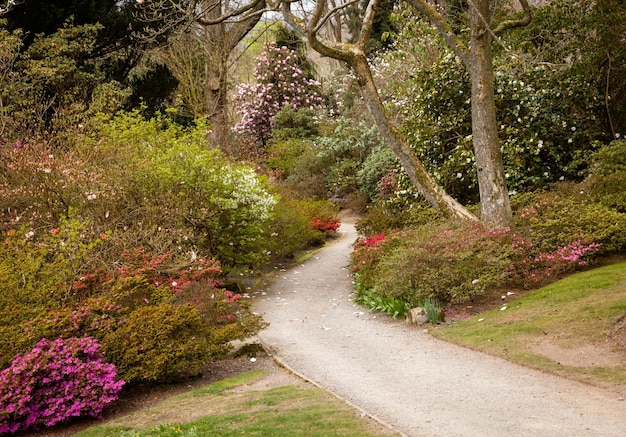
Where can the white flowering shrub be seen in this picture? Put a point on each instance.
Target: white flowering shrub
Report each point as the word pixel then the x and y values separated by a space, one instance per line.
pixel 198 198
pixel 547 116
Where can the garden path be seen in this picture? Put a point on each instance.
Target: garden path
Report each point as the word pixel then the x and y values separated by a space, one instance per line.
pixel 408 380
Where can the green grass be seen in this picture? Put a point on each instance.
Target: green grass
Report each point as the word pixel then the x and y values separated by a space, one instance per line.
pixel 226 410
pixel 573 314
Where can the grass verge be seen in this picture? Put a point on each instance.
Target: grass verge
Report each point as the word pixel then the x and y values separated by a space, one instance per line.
pixel 231 407
pixel 566 328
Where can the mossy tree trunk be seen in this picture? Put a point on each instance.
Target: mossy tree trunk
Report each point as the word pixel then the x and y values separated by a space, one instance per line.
pixel 354 55
pixel 477 57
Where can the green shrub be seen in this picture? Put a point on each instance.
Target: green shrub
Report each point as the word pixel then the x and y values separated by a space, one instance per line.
pixel 293 227
pixel 346 148
pixel 149 181
pixel 554 220
pixel 607 182
pixel 171 185
pixel 155 295
pixel 284 156
pixel 374 168
pixel 160 343
pixel 449 265
pixel 294 123
pixel 382 217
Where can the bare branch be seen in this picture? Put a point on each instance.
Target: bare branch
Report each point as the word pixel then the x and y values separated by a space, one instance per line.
pixel 510 24
pixel 223 17
pixel 368 22
pixel 334 10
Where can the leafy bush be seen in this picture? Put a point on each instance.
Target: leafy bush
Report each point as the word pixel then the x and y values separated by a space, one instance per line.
pixel 556 219
pixel 182 295
pixel 375 167
pixel 295 123
pixel 160 342
pixel 55 381
pixel 326 225
pixel 293 227
pixel 345 149
pixel 285 158
pixel 456 262
pixel 385 216
pixel 607 182
pixel 37 270
pixel 149 181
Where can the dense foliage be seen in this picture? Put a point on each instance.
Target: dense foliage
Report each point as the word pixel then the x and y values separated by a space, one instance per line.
pixel 399 264
pixel 554 104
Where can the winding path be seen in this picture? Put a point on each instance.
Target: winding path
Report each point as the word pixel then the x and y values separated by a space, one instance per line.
pixel 400 375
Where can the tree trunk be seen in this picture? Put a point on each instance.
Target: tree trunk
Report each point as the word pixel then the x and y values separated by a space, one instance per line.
pixel 221 37
pixel 216 87
pixel 427 187
pixel 495 207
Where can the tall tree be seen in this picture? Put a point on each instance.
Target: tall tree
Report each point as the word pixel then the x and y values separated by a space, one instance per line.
pixel 476 55
pixel 495 207
pixel 221 25
pixel 355 55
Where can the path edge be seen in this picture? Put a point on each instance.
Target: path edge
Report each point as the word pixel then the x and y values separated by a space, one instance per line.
pixel 281 363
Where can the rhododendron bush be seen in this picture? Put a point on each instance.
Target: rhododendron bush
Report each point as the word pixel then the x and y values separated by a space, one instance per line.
pixel 184 317
pixel 280 82
pixel 55 381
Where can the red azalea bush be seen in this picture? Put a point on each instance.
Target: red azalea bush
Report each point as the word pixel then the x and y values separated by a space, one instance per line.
pixel 55 381
pixel 326 225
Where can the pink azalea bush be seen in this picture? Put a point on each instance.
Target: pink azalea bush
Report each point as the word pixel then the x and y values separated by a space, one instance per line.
pixel 55 381
pixel 280 82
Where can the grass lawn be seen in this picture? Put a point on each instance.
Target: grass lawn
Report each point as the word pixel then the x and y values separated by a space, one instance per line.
pixel 236 407
pixel 568 328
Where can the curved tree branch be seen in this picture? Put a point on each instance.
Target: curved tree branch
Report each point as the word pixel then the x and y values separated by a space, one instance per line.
pixel 510 24
pixel 456 44
pixel 9 6
pixel 355 56
pixel 254 6
pixel 332 12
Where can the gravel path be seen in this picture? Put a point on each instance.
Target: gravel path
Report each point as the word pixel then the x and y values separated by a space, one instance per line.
pixel 419 385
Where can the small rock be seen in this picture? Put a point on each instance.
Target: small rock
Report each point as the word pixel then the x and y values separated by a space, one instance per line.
pixel 416 316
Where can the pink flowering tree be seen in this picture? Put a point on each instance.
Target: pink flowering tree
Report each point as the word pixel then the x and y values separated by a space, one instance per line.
pixel 280 82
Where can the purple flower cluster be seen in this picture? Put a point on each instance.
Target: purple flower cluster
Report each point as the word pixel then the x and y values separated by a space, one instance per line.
pixel 280 82
pixel 55 381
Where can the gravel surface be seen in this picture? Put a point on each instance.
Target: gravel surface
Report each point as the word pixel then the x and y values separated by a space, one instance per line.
pixel 418 385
